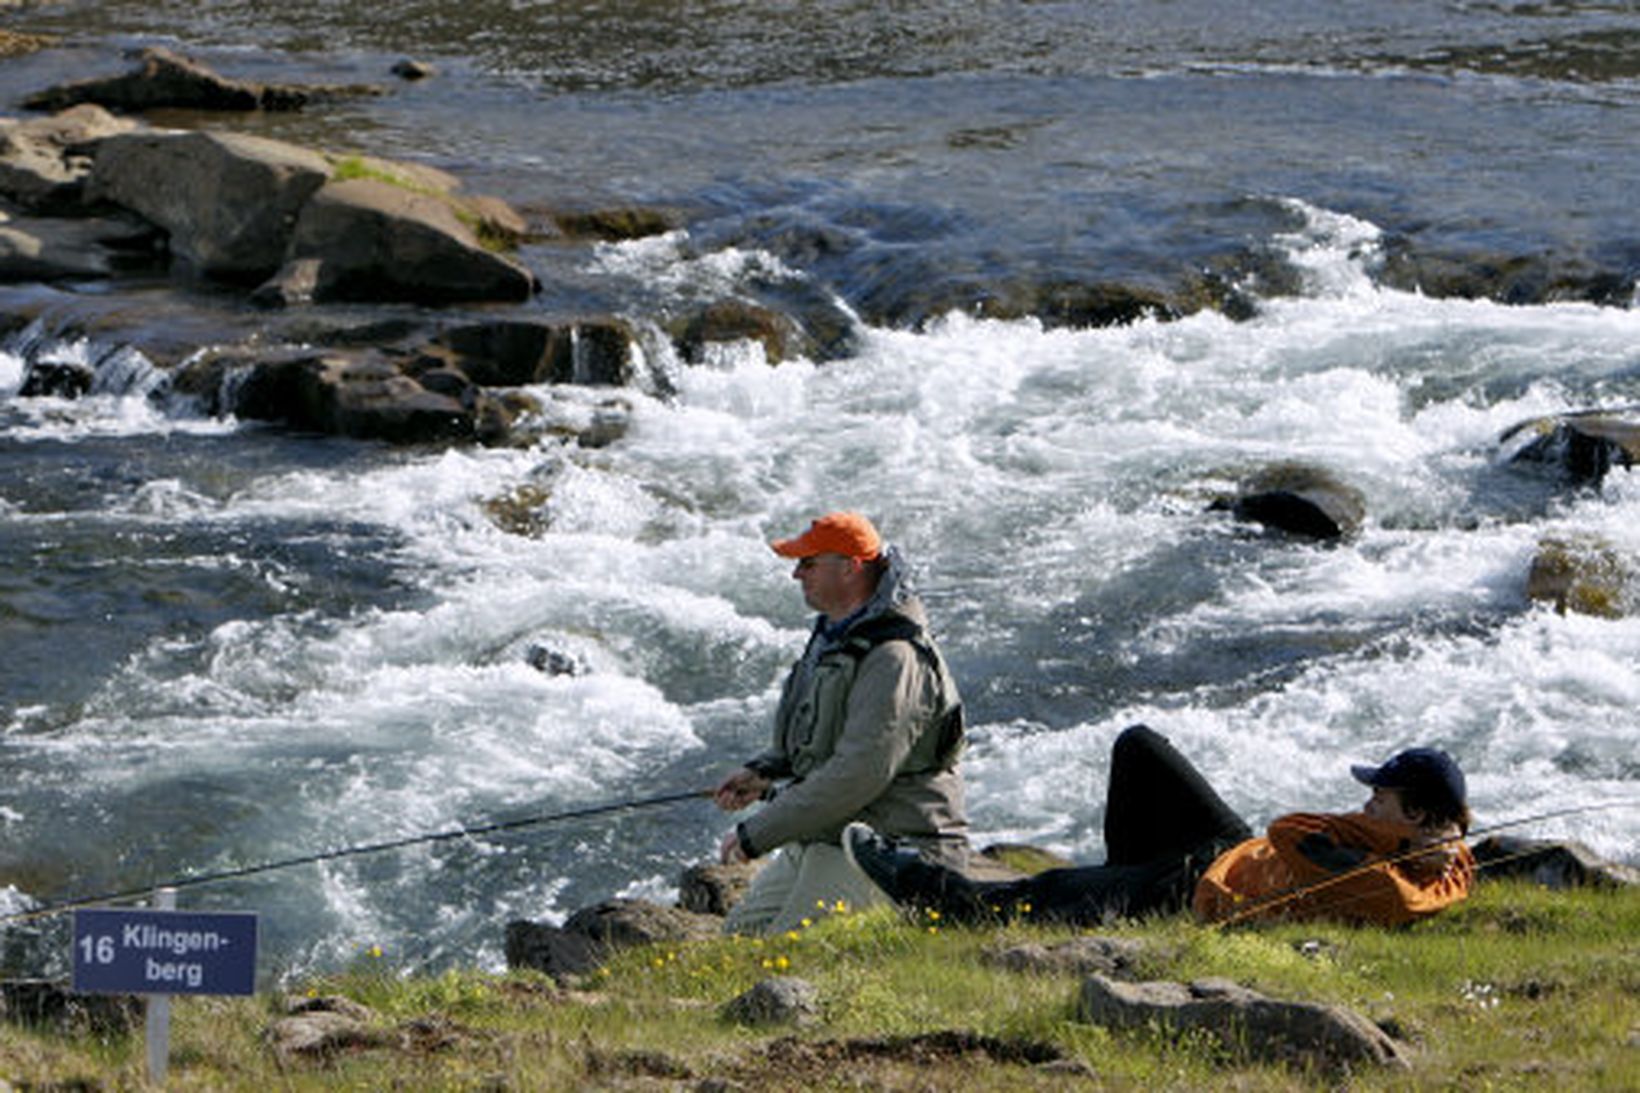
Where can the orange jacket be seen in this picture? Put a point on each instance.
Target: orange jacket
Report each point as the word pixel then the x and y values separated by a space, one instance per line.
pixel 1311 865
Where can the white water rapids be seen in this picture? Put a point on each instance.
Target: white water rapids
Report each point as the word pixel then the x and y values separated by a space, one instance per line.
pixel 1051 487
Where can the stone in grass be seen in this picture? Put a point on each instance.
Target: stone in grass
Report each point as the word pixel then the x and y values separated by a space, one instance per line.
pixel 591 934
pixel 320 1028
pixel 47 1004
pixel 783 1000
pixel 1113 956
pixel 1551 863
pixel 713 888
pixel 1244 1022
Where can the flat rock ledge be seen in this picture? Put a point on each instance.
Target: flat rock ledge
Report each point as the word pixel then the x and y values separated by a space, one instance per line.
pixel 165 78
pixel 1243 1022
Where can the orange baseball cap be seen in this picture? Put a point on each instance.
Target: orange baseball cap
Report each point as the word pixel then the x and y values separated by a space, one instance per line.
pixel 845 533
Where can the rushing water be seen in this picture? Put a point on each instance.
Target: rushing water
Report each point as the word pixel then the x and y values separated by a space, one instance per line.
pixel 222 644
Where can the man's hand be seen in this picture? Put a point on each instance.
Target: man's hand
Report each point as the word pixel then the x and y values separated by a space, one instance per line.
pixel 729 851
pixel 740 789
pixel 1442 851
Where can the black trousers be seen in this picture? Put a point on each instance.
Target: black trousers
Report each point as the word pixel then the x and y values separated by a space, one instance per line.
pixel 1164 825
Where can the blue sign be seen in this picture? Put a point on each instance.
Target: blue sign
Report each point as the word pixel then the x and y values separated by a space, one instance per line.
pixel 164 952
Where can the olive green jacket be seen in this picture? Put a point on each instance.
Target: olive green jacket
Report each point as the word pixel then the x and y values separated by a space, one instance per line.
pixel 867 731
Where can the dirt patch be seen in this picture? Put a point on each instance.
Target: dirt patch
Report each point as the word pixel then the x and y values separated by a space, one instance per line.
pixel 929 1060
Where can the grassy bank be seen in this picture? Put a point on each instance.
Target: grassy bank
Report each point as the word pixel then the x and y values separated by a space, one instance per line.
pixel 1521 988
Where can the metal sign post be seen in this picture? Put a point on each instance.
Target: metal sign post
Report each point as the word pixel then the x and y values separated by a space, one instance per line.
pixel 159 952
pixel 157 1026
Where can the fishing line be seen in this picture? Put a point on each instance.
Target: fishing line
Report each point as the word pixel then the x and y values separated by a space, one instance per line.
pixel 348 852
pixel 1256 907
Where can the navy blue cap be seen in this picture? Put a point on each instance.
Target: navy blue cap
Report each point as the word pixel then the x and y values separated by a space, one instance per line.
pixel 1429 772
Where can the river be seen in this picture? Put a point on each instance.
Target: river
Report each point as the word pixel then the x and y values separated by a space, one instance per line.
pixel 222 643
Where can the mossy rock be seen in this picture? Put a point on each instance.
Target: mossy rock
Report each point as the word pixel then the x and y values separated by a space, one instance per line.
pixel 521 511
pixel 736 320
pixel 1586 576
pixel 615 225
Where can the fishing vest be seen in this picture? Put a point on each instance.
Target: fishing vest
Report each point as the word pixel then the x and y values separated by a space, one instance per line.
pixel 951 727
pixel 814 706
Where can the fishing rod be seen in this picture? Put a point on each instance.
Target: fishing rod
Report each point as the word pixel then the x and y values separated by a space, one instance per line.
pixel 195 881
pixel 1259 906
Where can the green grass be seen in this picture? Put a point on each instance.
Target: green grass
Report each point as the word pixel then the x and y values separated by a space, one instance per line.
pixel 1520 988
pixel 349 168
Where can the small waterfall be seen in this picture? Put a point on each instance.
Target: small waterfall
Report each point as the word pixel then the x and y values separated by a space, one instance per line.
pixel 53 363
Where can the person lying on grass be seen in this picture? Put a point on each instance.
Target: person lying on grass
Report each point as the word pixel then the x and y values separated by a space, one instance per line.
pixel 1171 843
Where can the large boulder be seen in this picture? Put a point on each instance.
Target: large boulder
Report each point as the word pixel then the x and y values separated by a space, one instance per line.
pixel 165 78
pixel 369 239
pixel 227 201
pixel 1582 446
pixel 736 321
pixel 1244 1022
pixel 1300 500
pixel 621 923
pixel 247 209
pixel 44 161
pixel 1552 863
pixel 515 352
pixel 591 934
pixel 360 395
